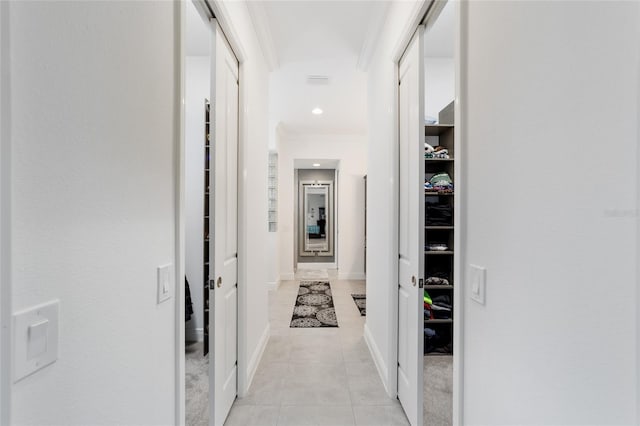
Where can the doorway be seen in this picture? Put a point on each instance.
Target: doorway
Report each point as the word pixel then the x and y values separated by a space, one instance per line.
pixel 316 216
pixel 212 81
pixel 429 225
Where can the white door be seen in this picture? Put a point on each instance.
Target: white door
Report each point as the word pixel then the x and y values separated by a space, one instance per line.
pixel 411 232
pixel 223 282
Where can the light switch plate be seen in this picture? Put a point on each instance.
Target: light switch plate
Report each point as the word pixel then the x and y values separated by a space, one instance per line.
pixel 165 283
pixel 35 339
pixel 477 283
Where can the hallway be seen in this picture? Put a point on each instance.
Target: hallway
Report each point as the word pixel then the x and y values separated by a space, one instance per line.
pixel 321 376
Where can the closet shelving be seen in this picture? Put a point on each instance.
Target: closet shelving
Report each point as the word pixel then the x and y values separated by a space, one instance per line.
pixel 439 263
pixel 206 236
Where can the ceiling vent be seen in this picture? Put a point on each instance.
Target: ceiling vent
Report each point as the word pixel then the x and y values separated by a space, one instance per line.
pixel 318 80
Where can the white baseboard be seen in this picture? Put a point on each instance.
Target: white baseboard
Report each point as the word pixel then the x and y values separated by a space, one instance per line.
pixel 316 266
pixel 351 276
pixel 273 285
pixel 289 276
pixel 257 355
pixel 377 359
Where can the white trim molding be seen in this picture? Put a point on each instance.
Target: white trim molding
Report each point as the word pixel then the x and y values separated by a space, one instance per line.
pixel 179 191
pixel 311 266
pixel 420 9
pixel 351 275
pixel 263 32
pixel 287 276
pixel 378 360
pixel 252 367
pixel 273 285
pixel 378 17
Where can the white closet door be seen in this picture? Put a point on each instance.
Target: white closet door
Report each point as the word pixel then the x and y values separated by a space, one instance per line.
pixel 411 232
pixel 223 296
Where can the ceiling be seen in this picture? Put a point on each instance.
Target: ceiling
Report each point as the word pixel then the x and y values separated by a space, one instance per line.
pixel 317 30
pixel 329 38
pixel 324 38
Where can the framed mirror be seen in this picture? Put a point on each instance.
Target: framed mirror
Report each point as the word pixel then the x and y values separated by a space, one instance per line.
pixel 316 219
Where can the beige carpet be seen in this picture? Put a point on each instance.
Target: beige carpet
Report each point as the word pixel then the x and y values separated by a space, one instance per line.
pixel 438 390
pixel 197 385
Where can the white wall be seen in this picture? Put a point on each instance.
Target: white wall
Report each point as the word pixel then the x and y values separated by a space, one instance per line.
pixel 439 84
pixel 556 341
pixel 198 76
pixel 352 153
pixel 253 175
pixel 5 225
pixel 94 126
pixel 382 194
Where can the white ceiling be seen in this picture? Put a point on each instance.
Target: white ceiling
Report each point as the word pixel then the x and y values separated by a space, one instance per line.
pixel 320 38
pixel 308 163
pixel 316 30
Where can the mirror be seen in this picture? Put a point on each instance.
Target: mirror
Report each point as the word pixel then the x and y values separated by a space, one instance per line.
pixel 316 219
pixel 315 226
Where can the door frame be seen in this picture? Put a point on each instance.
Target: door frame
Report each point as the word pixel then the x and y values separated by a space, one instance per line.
pixel 209 9
pixel 426 12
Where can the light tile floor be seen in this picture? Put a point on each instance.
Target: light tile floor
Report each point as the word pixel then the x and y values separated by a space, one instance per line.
pixel 321 376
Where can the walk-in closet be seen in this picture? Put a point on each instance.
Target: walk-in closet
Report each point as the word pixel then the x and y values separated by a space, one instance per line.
pixel 440 205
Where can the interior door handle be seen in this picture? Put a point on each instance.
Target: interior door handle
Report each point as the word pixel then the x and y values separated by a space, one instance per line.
pixel 219 283
pixel 413 280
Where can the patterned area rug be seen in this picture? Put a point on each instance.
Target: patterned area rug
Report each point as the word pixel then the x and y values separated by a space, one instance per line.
pixel 361 303
pixel 314 306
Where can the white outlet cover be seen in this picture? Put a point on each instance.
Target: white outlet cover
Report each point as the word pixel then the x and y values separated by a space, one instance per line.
pixel 165 283
pixel 477 283
pixel 35 339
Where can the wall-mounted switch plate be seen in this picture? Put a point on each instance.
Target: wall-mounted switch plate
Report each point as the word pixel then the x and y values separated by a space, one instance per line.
pixel 477 283
pixel 35 339
pixel 165 283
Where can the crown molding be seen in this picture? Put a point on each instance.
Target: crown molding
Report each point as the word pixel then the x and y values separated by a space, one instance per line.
pixel 376 22
pixel 261 26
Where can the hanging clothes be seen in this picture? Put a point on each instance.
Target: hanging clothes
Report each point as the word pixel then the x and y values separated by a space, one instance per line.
pixel 188 304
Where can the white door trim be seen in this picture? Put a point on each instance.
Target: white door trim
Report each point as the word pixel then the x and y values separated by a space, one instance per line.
pixel 180 232
pixel 460 235
pixel 460 59
pixel 5 218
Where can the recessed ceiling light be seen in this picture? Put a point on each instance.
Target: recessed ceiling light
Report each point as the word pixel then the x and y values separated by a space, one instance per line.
pixel 316 111
pixel 316 164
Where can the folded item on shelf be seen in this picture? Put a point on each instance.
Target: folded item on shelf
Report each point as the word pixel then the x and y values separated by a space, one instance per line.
pixel 438 214
pixel 437 247
pixel 440 312
pixel 441 179
pixel 438 152
pixel 442 298
pixel 437 281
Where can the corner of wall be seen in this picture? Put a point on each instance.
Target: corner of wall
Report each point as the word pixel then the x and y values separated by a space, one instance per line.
pixel 287 276
pixel 273 285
